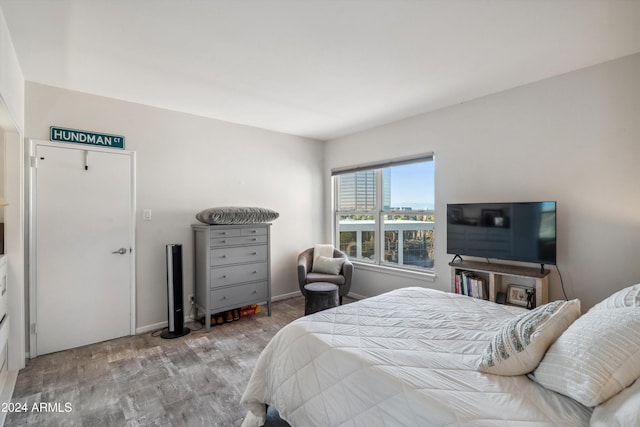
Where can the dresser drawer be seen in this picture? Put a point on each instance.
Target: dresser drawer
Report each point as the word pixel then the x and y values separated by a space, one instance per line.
pixel 224 232
pixel 236 296
pixel 223 276
pixel 225 256
pixel 254 231
pixel 236 241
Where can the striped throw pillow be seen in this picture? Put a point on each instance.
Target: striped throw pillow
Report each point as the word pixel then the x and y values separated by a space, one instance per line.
pixel 520 345
pixel 236 215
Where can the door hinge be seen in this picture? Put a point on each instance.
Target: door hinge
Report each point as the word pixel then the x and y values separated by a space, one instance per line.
pixel 34 328
pixel 33 161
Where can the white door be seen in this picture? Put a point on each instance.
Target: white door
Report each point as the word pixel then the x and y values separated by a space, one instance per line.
pixel 83 222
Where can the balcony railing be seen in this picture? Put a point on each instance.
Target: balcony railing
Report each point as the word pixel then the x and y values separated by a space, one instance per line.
pixel 406 242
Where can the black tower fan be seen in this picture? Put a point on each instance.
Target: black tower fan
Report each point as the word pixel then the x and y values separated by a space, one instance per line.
pixel 174 293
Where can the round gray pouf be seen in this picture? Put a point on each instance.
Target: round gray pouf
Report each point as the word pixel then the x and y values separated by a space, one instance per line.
pixel 320 296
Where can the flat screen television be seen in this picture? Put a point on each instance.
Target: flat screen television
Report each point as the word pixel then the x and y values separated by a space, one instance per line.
pixel 521 231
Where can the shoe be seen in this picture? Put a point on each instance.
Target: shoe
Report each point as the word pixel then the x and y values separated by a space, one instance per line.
pixel 236 315
pixel 219 319
pixel 228 317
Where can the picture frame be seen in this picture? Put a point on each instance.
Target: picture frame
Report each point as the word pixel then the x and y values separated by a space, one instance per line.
pixel 518 295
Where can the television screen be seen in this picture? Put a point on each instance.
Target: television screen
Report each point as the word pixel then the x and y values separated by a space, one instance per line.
pixel 522 231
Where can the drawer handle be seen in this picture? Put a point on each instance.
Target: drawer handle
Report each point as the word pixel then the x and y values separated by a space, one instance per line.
pixel 224 297
pixel 254 292
pixel 254 253
pixel 224 233
pixel 224 276
pixel 254 231
pixel 223 241
pixel 223 256
pixel 254 239
pixel 254 272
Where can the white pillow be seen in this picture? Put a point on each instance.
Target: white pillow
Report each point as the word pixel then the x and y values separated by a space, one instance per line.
pixel 326 265
pixel 322 250
pixel 622 410
pixel 627 297
pixel 519 346
pixel 595 358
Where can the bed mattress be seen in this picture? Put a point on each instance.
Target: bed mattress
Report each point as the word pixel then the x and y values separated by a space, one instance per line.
pixel 404 358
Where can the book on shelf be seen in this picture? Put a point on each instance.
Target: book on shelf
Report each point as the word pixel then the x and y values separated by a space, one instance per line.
pixel 470 284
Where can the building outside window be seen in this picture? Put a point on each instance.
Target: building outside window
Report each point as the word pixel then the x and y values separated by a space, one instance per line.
pixel 385 215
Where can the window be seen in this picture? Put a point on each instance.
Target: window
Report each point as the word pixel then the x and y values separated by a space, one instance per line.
pixel 385 215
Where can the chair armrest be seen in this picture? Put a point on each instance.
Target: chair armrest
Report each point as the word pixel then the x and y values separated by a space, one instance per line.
pixel 302 269
pixel 304 266
pixel 347 272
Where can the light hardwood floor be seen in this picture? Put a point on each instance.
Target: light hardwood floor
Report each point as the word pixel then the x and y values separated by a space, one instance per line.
pixel 195 380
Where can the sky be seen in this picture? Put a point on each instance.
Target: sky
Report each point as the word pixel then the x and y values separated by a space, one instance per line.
pixel 405 192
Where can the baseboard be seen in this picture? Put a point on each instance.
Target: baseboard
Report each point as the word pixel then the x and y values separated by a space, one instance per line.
pixel 286 296
pixel 153 327
pixel 161 325
pixel 356 296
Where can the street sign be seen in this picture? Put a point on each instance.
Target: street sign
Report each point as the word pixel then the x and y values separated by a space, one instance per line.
pixel 76 136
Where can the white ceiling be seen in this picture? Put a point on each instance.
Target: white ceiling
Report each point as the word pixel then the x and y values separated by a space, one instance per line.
pixel 316 68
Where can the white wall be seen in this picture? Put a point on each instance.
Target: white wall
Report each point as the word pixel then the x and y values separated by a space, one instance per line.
pixel 187 163
pixel 574 138
pixel 11 79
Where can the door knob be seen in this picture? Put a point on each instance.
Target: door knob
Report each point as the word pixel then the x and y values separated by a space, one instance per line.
pixel 120 251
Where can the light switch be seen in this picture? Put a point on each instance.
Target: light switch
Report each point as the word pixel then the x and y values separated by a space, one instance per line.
pixel 146 215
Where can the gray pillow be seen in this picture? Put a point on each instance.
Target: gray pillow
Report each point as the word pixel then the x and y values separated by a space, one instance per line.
pixel 236 215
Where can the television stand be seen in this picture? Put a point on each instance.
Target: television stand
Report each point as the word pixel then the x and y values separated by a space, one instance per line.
pixel 500 276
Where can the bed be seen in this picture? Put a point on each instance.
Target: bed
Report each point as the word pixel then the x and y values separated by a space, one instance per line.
pixel 408 357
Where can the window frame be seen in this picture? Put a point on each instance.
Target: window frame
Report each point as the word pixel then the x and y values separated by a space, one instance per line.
pixel 379 213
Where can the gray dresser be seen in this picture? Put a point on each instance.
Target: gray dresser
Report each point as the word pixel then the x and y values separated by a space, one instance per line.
pixel 232 267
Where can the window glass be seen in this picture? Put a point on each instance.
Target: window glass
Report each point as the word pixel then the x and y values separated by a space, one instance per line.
pixel 357 236
pixel 357 191
pixel 401 212
pixel 410 187
pixel 409 240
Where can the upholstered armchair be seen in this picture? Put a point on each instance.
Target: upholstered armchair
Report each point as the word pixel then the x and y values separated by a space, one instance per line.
pixel 306 274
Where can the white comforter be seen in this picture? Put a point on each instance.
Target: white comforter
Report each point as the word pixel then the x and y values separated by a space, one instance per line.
pixel 405 358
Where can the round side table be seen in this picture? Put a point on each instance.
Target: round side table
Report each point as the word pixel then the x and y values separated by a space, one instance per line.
pixel 320 296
